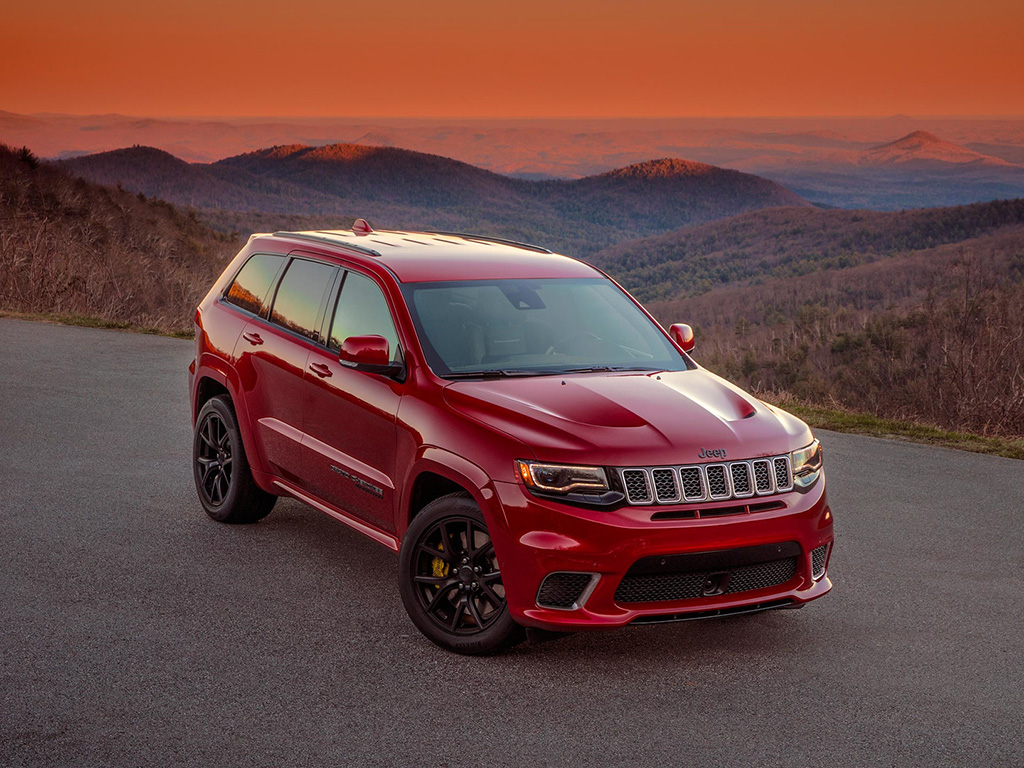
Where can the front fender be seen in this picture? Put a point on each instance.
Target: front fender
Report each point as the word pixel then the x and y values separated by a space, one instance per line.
pixel 458 470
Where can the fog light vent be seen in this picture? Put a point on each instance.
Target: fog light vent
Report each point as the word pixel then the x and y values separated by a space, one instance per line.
pixel 565 591
pixel 818 559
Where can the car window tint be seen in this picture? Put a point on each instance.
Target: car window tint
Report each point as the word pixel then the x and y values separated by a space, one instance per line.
pixel 249 288
pixel 298 298
pixel 362 310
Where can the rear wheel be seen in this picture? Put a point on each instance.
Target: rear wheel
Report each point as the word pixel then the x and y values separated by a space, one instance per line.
pixel 224 483
pixel 450 579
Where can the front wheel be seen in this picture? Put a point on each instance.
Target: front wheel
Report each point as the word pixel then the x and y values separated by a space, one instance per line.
pixel 450 579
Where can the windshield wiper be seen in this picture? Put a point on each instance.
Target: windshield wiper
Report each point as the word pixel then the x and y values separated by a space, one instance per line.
pixel 497 373
pixel 607 369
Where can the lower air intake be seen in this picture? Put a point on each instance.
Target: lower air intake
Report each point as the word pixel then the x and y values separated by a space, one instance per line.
pixel 819 557
pixel 562 590
pixel 654 579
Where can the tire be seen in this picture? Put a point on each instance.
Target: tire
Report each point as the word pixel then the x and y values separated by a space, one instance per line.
pixel 450 581
pixel 223 480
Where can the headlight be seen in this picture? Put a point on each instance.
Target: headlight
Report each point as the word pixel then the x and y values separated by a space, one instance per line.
pixel 806 464
pixel 561 478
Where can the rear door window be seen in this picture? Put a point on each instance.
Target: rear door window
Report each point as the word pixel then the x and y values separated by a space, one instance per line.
pixel 299 296
pixel 251 285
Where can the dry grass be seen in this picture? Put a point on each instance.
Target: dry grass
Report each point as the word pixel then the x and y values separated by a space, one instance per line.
pixel 72 249
pixel 856 423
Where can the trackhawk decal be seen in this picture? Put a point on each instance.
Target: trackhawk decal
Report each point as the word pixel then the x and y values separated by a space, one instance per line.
pixel 370 488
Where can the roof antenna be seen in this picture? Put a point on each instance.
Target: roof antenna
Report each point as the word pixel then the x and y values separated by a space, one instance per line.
pixel 361 227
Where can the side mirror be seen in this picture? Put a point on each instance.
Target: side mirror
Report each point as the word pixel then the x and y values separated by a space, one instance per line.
pixel 682 334
pixel 368 353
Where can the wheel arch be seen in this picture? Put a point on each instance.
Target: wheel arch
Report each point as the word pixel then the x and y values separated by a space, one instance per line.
pixel 207 388
pixel 211 382
pixel 438 473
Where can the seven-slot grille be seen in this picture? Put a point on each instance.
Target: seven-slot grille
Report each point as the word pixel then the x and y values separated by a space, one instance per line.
pixel 707 482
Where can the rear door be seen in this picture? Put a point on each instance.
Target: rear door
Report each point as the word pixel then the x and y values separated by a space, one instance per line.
pixel 272 354
pixel 351 434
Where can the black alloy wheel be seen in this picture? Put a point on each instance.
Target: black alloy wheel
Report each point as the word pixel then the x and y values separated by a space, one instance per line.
pixel 451 581
pixel 224 481
pixel 213 455
pixel 459 583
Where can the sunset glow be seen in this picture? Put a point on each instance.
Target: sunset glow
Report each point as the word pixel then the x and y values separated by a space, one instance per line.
pixel 529 59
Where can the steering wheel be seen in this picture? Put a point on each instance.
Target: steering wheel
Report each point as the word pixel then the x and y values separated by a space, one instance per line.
pixel 579 337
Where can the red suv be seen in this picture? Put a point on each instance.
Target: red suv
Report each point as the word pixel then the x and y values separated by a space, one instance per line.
pixel 537 449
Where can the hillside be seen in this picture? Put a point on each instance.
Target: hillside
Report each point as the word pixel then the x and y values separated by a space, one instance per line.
pixel 73 248
pixel 916 315
pixel 399 188
pixel 160 174
pixel 790 242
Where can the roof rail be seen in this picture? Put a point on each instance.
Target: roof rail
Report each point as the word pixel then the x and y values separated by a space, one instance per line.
pixel 488 239
pixel 330 240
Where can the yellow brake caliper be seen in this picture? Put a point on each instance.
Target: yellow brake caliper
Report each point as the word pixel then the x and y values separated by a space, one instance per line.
pixel 439 566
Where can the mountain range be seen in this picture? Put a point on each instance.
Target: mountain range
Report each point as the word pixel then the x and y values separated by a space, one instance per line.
pixel 820 158
pixel 399 188
pixel 914 171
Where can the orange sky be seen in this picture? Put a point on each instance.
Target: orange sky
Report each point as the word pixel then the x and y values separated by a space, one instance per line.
pixel 534 58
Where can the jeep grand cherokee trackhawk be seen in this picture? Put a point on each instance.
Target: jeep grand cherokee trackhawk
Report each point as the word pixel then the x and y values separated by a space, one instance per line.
pixel 535 447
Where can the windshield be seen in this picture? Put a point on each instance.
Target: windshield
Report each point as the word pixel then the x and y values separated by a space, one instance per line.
pixel 531 327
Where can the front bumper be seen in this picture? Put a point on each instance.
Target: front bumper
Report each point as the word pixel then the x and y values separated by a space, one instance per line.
pixel 535 537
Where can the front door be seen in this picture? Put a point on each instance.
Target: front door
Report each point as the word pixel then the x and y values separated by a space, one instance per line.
pixel 350 428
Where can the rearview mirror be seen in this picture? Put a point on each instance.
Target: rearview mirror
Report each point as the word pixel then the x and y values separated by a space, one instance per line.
pixel 368 353
pixel 682 334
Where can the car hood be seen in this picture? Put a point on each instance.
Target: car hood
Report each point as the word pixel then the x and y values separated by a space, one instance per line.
pixel 630 419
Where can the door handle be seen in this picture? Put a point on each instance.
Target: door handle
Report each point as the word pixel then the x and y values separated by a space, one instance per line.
pixel 320 370
pixel 252 338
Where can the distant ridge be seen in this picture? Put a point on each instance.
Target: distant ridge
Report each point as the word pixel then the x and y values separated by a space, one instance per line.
pixel 925 148
pixel 402 188
pixel 375 139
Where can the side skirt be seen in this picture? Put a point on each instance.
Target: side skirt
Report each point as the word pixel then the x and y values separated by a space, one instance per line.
pixel 388 540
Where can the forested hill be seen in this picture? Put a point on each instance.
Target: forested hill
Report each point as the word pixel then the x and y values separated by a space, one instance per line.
pixel 790 242
pixel 398 188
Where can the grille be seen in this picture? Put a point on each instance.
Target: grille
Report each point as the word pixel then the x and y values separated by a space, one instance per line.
pixel 760 576
pixel 762 475
pixel 652 588
pixel 637 489
pixel 562 590
pixel 718 487
pixel 665 488
pixel 782 480
pixel 693 486
pixel 818 558
pixel 704 482
pixel 741 480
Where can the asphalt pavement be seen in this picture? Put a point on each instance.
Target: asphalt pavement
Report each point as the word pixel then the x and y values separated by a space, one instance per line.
pixel 135 631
